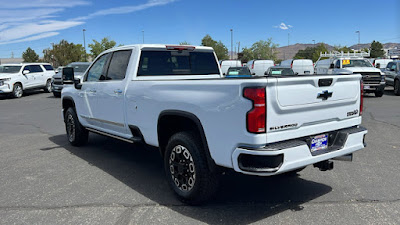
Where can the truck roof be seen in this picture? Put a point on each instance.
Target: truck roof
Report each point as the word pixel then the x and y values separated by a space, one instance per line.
pixel 157 46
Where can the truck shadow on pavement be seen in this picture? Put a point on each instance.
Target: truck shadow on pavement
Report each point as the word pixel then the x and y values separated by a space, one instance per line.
pixel 240 200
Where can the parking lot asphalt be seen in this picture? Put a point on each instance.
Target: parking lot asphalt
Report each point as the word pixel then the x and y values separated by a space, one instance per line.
pixel 44 180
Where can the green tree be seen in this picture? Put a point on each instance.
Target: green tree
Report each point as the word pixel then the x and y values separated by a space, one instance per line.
pixel 64 53
pixel 220 49
pixel 184 43
pixel 30 55
pixel 98 47
pixel 312 53
pixel 247 55
pixel 377 49
pixel 264 49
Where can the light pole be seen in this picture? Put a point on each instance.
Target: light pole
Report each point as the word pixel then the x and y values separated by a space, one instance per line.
pixel 314 43
pixel 143 35
pixel 288 38
pixel 231 43
pixel 84 42
pixel 358 40
pixel 52 54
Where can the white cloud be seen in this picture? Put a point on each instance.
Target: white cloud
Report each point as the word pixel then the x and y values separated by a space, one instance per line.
pixel 28 20
pixel 32 38
pixel 283 26
pixel 15 4
pixel 126 9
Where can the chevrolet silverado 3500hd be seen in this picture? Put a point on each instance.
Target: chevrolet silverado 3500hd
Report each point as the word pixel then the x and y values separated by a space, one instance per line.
pixel 175 98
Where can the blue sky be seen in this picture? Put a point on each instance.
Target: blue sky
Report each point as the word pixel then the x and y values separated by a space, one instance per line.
pixel 36 24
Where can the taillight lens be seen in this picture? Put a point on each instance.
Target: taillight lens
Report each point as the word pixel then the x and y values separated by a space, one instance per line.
pixel 252 66
pixel 361 97
pixel 257 115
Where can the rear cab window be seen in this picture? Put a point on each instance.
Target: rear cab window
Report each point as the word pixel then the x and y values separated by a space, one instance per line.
pixel 177 62
pixel 48 67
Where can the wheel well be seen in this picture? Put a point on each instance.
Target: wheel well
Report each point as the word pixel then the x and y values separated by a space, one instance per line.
pixel 20 84
pixel 67 103
pixel 171 122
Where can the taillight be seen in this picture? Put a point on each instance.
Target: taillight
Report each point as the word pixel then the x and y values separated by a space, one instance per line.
pixel 291 65
pixel 361 97
pixel 255 119
pixel 252 66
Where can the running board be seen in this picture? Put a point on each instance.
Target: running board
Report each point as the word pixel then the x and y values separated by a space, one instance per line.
pixel 129 140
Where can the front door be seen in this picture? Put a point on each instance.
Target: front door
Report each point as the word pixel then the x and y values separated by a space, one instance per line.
pixel 111 95
pixel 28 80
pixel 88 95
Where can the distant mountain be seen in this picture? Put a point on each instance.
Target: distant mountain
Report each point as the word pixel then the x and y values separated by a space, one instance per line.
pixel 288 52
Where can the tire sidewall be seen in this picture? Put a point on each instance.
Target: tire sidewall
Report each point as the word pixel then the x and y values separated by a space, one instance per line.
pixel 71 112
pixel 47 88
pixel 397 84
pixel 183 139
pixel 14 90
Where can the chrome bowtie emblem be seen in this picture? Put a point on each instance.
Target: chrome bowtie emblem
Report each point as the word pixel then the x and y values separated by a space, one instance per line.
pixel 325 95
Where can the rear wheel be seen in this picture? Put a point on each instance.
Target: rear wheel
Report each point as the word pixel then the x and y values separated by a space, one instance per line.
pixel 397 87
pixel 187 169
pixel 47 88
pixel 378 93
pixel 76 133
pixel 17 90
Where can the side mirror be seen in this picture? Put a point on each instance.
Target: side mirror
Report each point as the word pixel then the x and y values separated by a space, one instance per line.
pixel 68 75
pixel 25 72
pixel 331 66
pixel 378 65
pixel 266 73
pixel 224 74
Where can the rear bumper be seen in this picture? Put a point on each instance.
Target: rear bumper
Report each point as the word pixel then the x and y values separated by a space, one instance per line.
pixel 293 154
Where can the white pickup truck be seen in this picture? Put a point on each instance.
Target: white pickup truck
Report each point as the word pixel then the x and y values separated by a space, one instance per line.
pixel 175 98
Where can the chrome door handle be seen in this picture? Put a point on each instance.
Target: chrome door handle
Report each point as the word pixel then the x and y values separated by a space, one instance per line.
pixel 118 91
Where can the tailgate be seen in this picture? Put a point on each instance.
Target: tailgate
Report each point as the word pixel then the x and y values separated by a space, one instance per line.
pixel 310 105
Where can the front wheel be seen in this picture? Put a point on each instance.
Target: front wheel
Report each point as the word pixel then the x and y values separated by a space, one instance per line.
pixel 17 91
pixel 187 169
pixel 397 87
pixel 47 88
pixel 57 94
pixel 378 93
pixel 76 133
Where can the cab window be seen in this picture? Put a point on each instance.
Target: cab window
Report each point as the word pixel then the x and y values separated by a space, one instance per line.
pixel 337 65
pixel 97 71
pixel 35 69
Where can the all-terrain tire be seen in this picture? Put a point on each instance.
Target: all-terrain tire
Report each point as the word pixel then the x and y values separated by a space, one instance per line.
pixel 187 170
pixel 77 135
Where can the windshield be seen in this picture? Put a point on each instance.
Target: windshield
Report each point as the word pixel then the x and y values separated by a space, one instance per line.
pixel 356 63
pixel 80 68
pixel 238 71
pixel 9 69
pixel 281 71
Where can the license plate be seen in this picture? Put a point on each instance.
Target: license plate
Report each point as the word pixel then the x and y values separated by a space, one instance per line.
pixel 319 142
pixel 366 87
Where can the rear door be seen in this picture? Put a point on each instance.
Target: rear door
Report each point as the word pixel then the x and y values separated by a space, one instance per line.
pixel 37 72
pixel 111 92
pixel 309 105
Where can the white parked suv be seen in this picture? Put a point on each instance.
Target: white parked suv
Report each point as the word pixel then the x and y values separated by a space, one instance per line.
pixel 15 78
pixel 175 98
